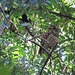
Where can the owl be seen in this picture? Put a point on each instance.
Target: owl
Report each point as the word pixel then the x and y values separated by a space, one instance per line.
pixel 49 38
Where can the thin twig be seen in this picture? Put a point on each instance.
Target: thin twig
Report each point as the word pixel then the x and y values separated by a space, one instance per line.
pixel 29 31
pixel 33 38
pixel 8 19
pixel 34 41
pixel 3 12
pixel 45 40
pixel 50 54
pixel 40 46
pixel 59 14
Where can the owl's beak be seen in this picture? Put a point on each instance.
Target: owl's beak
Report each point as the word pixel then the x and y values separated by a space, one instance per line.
pixel 51 30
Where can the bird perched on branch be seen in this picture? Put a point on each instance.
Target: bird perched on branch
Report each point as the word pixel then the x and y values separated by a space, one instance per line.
pixel 24 18
pixel 49 38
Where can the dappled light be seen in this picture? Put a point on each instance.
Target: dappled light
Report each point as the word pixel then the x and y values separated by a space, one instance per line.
pixel 37 37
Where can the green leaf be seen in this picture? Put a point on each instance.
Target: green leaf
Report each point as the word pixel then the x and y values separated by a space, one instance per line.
pixel 4 70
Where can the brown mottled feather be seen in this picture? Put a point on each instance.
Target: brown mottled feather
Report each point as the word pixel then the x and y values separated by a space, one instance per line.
pixel 49 38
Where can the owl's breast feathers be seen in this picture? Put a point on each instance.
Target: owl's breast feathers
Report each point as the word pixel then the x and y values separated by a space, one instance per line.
pixel 43 38
pixel 49 39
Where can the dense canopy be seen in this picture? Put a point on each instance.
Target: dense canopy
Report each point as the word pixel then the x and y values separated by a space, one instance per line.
pixel 22 23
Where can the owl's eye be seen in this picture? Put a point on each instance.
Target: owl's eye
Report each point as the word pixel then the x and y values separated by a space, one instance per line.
pixel 50 28
pixel 54 28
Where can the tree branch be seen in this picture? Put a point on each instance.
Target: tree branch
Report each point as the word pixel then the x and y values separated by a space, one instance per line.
pixel 9 20
pixel 50 54
pixel 40 46
pixel 33 38
pixel 59 14
pixel 29 31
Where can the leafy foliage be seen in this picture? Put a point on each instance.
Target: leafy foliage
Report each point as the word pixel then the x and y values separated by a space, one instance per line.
pixel 19 56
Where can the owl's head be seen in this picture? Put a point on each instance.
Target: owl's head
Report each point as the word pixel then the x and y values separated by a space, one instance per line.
pixel 53 28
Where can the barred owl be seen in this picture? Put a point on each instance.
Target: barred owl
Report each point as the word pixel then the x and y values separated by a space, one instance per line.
pixel 49 38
